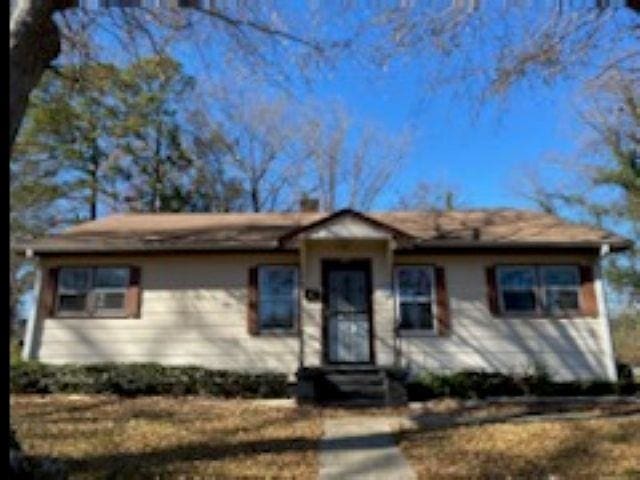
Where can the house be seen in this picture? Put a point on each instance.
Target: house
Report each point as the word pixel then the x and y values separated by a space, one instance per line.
pixel 495 290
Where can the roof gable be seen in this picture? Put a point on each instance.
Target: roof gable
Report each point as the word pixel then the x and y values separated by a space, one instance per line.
pixel 345 224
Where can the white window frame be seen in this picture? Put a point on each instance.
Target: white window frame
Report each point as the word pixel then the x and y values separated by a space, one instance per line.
pixel 294 299
pixel 544 287
pixel 91 310
pixel 501 289
pixel 415 299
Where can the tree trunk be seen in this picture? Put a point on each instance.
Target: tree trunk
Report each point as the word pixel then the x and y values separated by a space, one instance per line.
pixel 34 42
pixel 93 202
pixel 157 173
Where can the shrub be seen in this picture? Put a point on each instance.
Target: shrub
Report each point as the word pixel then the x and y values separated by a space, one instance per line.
pixel 144 379
pixel 471 384
pixel 626 336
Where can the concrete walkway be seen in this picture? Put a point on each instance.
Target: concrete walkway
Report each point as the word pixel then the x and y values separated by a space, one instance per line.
pixel 362 447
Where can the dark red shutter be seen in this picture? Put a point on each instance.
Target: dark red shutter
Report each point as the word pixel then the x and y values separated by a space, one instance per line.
pixel 443 316
pixel 589 302
pixel 48 291
pixel 252 310
pixel 134 293
pixel 492 290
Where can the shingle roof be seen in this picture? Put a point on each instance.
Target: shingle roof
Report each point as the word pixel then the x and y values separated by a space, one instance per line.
pixel 221 231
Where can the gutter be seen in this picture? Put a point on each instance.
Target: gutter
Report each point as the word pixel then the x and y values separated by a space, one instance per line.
pixel 422 247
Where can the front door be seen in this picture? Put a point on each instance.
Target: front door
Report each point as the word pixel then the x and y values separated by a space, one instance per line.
pixel 347 311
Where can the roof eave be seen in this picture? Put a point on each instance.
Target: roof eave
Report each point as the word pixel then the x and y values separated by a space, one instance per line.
pixel 44 249
pixel 617 245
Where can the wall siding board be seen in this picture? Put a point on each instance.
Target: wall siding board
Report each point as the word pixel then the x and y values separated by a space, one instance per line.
pixel 194 311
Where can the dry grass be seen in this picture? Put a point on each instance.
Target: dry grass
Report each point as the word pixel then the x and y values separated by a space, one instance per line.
pixel 594 448
pixel 109 437
pixel 100 436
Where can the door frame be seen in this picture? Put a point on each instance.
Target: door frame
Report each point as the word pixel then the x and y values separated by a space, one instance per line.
pixel 363 264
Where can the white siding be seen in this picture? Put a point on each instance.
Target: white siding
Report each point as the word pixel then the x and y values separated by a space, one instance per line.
pixel 568 348
pixel 346 227
pixel 382 304
pixel 194 311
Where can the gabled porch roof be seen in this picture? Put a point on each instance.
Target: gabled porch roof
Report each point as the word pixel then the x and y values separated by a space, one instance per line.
pixel 346 224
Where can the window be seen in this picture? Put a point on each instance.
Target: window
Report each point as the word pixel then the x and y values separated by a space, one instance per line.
pixel 99 291
pixel 561 285
pixel 414 298
pixel 277 297
pixel 74 285
pixel 517 288
pixel 553 289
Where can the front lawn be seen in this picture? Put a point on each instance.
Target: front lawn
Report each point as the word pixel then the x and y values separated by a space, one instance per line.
pixel 107 436
pixel 561 448
pixel 102 436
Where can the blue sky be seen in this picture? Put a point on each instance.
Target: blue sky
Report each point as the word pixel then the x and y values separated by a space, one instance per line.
pixel 480 155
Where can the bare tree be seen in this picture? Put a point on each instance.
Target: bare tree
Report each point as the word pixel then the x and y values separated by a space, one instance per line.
pixel 257 137
pixel 350 164
pixel 261 36
pixel 430 196
pixel 485 50
pixel 278 151
pixel 600 184
pixel 497 47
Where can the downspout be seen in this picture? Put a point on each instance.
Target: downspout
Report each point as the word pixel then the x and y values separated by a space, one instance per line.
pixel 397 346
pixel 302 281
pixel 612 372
pixel 29 336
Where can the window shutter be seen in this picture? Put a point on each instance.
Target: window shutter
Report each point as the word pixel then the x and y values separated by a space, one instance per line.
pixel 492 290
pixel 589 302
pixel 443 317
pixel 134 293
pixel 48 292
pixel 252 310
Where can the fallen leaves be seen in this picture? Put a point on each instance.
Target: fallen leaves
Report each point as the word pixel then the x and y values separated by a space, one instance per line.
pixel 104 436
pixel 594 448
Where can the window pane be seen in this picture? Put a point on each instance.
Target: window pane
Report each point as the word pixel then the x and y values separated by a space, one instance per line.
pixel 416 316
pixel 110 300
pixel 72 303
pixel 111 278
pixel 519 301
pixel 414 281
pixel 276 282
pixel 558 299
pixel 347 291
pixel 517 277
pixel 277 289
pixel 560 276
pixel 276 314
pixel 74 278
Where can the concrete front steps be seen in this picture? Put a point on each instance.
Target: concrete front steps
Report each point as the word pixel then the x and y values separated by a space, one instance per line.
pixel 351 386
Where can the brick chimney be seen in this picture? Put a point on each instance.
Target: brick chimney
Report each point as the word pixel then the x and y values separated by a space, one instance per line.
pixel 308 204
